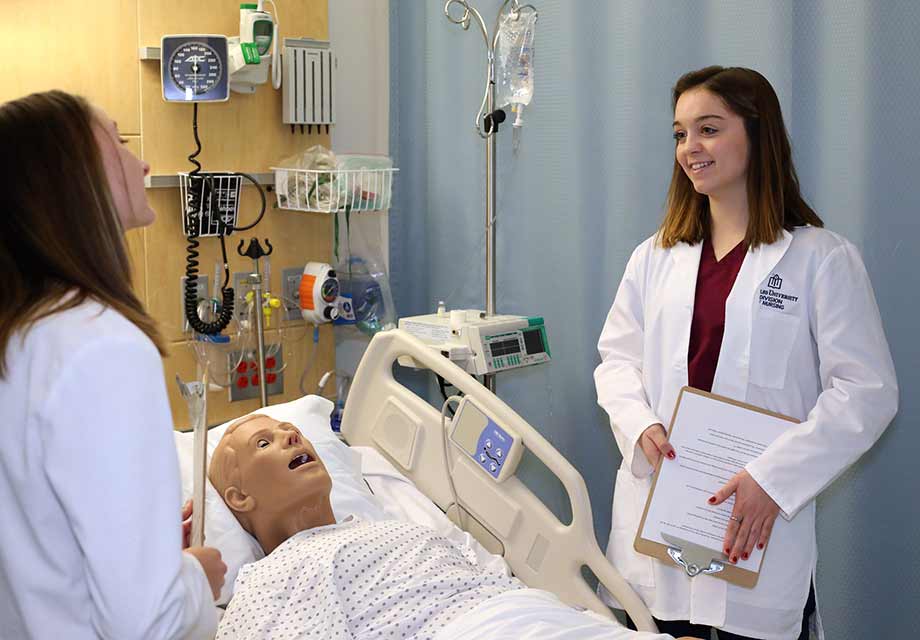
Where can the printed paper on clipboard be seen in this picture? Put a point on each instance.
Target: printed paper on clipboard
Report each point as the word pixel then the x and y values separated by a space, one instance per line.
pixel 715 437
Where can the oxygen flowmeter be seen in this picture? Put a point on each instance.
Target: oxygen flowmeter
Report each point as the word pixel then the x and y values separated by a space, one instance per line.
pixel 319 293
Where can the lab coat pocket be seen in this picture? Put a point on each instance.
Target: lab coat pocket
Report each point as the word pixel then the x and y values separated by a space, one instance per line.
pixel 628 504
pixel 772 340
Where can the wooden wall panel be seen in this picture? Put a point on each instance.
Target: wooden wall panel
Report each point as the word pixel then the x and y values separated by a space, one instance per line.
pixel 243 134
pixel 297 238
pixel 92 49
pixel 181 361
pixel 81 47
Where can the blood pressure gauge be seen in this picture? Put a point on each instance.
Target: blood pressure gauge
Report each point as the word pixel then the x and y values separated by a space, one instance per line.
pixel 194 68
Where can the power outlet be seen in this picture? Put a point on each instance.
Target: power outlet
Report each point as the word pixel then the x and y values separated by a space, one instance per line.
pixel 244 381
pixel 201 294
pixel 290 292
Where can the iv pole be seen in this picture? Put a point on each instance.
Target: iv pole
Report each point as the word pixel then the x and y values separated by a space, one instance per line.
pixel 486 125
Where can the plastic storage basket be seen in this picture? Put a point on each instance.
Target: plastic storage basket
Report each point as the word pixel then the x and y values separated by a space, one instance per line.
pixel 334 189
pixel 208 197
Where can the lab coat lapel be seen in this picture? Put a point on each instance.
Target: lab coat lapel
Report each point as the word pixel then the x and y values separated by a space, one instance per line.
pixel 686 260
pixel 732 372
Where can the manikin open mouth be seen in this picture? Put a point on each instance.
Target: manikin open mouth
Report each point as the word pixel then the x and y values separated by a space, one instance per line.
pixel 300 460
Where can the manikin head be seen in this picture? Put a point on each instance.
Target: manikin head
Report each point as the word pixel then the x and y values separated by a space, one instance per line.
pixel 271 478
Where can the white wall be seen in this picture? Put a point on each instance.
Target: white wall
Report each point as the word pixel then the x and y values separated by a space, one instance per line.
pixel 359 36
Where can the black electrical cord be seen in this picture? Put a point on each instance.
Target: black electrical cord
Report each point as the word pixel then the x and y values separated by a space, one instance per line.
pixel 442 385
pixel 261 195
pixel 192 214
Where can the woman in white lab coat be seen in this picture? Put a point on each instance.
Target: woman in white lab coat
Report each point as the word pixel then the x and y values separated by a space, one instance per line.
pixel 742 293
pixel 90 540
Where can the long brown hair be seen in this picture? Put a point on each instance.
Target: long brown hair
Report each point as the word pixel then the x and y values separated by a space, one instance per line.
pixel 774 198
pixel 60 233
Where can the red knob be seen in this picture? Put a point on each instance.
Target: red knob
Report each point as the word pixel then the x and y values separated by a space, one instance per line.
pixel 242 382
pixel 270 363
pixel 270 378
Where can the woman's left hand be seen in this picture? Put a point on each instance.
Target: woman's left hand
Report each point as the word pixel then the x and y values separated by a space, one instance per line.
pixel 752 516
pixel 186 524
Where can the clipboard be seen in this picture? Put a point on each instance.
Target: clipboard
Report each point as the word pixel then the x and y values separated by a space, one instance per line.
pixel 693 558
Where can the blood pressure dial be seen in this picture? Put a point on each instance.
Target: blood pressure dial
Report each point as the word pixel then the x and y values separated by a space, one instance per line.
pixel 194 68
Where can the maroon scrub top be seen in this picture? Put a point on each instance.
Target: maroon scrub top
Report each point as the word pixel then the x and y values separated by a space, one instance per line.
pixel 714 282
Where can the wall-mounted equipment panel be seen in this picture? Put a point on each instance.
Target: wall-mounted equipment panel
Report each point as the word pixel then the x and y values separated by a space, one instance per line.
pixel 308 89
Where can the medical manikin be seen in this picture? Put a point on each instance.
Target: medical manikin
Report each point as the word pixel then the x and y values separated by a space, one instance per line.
pixel 346 579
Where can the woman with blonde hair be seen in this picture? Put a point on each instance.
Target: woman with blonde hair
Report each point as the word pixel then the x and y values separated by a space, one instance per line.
pixel 744 294
pixel 89 482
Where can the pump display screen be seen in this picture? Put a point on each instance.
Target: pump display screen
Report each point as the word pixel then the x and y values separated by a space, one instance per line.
pixel 533 342
pixel 505 347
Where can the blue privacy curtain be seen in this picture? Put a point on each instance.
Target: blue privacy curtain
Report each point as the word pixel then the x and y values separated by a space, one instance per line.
pixel 588 183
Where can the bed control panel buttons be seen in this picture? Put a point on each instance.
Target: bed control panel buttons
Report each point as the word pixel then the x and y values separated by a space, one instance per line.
pixel 493 448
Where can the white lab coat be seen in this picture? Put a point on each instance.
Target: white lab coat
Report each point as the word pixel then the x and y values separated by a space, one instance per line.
pixel 803 337
pixel 89 488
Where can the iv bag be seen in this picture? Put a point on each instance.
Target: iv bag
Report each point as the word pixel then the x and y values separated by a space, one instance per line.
pixel 514 59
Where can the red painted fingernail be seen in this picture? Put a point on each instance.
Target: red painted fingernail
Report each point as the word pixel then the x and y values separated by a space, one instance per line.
pixel 734 559
pixel 760 545
pixel 727 551
pixel 712 500
pixel 671 455
pixel 744 556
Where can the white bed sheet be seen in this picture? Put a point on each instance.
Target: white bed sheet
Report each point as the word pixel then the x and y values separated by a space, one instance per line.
pixel 402 500
pixel 535 614
pixel 520 614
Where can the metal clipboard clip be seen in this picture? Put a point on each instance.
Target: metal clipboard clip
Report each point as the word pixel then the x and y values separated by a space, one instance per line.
pixel 692 557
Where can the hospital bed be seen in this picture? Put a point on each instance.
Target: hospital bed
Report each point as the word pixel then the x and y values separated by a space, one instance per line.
pixel 397 447
pixel 505 517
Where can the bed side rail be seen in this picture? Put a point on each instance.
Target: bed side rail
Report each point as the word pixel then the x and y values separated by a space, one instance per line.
pixel 541 551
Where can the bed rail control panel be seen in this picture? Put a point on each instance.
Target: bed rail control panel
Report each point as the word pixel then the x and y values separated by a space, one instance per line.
pixel 495 449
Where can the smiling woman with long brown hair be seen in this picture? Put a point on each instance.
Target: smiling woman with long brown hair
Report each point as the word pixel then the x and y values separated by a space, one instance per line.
pixel 90 544
pixel 744 294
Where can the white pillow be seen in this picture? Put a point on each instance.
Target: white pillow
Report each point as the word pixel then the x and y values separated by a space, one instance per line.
pixel 350 494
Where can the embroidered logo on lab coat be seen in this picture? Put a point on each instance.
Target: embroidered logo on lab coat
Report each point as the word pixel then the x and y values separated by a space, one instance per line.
pixel 773 298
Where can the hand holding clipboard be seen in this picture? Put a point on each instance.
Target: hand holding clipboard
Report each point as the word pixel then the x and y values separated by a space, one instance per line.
pixel 715 438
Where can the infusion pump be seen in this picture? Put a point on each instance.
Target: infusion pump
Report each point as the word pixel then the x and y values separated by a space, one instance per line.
pixel 478 343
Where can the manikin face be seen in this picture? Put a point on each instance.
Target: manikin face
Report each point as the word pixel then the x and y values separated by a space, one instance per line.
pixel 125 173
pixel 711 144
pixel 278 467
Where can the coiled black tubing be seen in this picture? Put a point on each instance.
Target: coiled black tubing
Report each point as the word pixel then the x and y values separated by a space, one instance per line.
pixel 196 191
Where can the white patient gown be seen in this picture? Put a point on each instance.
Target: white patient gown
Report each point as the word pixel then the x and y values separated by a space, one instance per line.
pixel 359 579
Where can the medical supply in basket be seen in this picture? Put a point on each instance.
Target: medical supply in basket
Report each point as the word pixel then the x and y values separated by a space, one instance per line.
pixel 306 179
pixel 318 180
pixel 478 343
